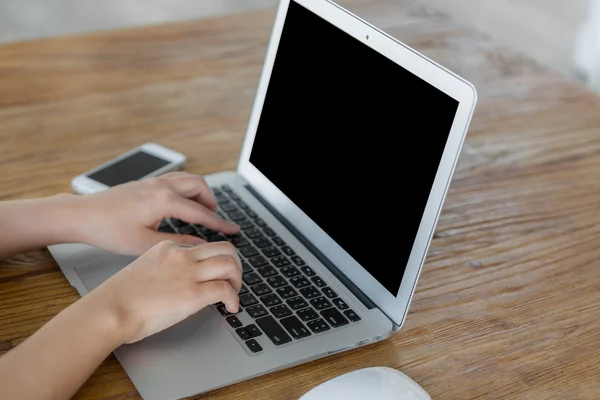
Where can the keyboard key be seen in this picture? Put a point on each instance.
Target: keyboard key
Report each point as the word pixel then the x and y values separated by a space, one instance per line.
pixel 226 188
pixel 310 292
pixel 260 222
pixel 243 333
pixel 261 242
pixel 318 325
pixel 251 278
pixel 240 241
pixel 290 272
pixel 271 252
pixel 232 236
pixel 242 205
pixel 249 251
pixel 339 303
pixel 221 198
pixel 163 223
pixel 261 289
pixel 287 250
pixel 166 229
pixel 278 241
pixel 245 224
pixel 257 311
pixel 294 327
pixel 299 282
pixel 273 330
pixel 308 314
pixel 327 291
pixel 236 216
pixel 243 290
pixel 251 214
pixel 228 207
pixel 287 292
pixel 223 310
pixel 307 271
pixel 280 261
pixel 258 261
pixel 352 316
pixel 248 300
pixel 234 196
pixel 252 232
pixel 253 346
pixel 187 230
pixel 266 271
pixel 318 281
pixel 198 234
pixel 320 303
pixel 276 281
pixel 297 303
pixel 271 300
pixel 253 330
pixel 204 231
pixel 216 238
pixel 234 321
pixel 297 260
pixel 246 268
pixel 281 311
pixel 269 232
pixel 178 223
pixel 334 317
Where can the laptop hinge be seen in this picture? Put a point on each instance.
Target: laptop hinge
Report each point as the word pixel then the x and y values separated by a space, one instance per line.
pixel 324 260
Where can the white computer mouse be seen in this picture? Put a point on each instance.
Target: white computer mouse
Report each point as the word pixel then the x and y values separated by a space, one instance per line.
pixel 377 383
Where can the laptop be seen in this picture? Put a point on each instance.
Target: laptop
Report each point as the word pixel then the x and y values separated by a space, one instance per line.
pixel 349 152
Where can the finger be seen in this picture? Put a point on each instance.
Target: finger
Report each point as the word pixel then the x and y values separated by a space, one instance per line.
pixel 215 249
pixel 218 291
pixel 192 187
pixel 174 173
pixel 190 211
pixel 153 237
pixel 224 268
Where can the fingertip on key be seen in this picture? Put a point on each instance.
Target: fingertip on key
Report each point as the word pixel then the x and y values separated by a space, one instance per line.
pixel 232 308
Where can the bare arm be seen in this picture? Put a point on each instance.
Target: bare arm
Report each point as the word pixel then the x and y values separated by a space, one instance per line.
pixel 57 359
pixel 36 223
pixel 165 285
pixel 122 220
pixel 161 288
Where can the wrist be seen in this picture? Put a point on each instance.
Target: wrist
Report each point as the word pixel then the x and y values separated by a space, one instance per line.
pixel 103 319
pixel 110 319
pixel 63 216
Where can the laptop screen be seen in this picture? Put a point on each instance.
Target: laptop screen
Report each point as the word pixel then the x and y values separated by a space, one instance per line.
pixel 353 139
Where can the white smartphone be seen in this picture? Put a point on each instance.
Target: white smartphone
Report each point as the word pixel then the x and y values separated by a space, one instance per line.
pixel 143 162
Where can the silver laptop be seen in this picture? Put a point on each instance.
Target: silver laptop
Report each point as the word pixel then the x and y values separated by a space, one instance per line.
pixel 347 159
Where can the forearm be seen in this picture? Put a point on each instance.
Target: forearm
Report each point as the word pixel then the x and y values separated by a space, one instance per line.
pixel 33 224
pixel 57 359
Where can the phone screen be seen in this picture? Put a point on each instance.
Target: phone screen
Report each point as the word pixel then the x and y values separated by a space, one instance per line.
pixel 131 168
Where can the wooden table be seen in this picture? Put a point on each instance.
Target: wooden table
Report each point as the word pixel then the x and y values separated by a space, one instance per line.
pixel 507 303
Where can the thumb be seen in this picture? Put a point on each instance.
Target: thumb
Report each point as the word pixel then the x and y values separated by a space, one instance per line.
pixel 183 240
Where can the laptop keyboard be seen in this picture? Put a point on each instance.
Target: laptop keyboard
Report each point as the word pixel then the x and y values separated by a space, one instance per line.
pixel 283 295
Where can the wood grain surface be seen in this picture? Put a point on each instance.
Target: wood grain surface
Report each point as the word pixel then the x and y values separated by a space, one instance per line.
pixel 507 304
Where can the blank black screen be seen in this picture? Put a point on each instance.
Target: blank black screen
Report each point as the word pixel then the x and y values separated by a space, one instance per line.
pixel 131 168
pixel 353 139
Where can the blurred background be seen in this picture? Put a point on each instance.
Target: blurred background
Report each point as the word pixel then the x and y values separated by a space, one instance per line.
pixel 561 34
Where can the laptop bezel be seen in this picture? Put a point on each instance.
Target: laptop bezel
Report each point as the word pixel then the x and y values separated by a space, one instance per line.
pixel 395 306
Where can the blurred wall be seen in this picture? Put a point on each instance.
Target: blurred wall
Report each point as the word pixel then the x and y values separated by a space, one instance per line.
pixel 546 30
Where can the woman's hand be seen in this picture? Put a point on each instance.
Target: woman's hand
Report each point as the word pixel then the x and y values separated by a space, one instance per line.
pixel 124 219
pixel 159 289
pixel 168 284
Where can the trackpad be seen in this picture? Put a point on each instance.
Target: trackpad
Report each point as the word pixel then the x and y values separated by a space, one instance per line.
pixel 96 272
